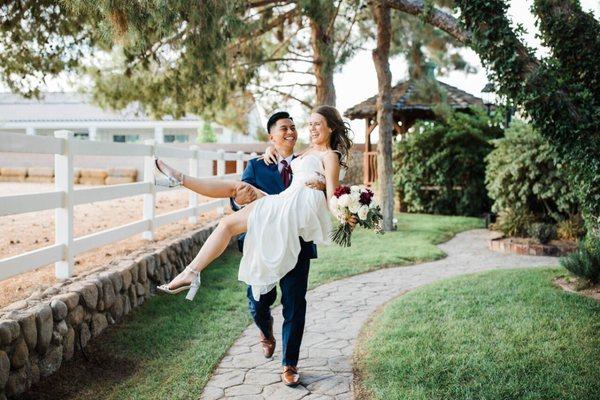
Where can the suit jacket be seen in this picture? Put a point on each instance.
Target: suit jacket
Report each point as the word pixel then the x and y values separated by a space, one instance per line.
pixel 267 178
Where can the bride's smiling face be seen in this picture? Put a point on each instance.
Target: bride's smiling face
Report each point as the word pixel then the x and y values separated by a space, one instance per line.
pixel 320 133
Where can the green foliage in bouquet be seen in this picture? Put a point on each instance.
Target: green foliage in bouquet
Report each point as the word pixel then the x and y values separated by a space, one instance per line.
pixel 440 169
pixel 524 173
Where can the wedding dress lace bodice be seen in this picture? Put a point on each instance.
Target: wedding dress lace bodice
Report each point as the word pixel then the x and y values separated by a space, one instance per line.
pixel 307 168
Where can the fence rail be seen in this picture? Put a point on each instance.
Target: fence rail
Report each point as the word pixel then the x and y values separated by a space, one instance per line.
pixel 64 147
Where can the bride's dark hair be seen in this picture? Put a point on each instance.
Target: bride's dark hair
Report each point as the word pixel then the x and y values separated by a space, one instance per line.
pixel 340 136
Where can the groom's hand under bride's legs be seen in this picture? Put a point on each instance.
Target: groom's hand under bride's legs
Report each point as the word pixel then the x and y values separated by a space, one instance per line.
pixel 246 194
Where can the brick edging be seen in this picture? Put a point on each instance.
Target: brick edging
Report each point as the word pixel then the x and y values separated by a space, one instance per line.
pixel 506 245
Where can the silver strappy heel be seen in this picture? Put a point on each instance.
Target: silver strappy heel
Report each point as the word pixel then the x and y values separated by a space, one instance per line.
pixel 192 288
pixel 163 179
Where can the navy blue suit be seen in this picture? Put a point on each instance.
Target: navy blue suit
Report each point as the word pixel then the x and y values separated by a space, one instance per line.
pixel 293 284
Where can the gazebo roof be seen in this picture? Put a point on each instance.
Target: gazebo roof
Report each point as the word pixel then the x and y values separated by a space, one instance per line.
pixel 406 103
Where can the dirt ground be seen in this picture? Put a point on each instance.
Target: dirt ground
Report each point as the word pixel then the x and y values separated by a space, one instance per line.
pixel 579 286
pixel 30 231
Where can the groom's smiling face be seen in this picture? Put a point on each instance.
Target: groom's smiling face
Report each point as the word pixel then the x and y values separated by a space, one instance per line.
pixel 283 135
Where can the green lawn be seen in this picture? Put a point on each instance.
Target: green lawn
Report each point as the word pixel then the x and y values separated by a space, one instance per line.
pixel 495 335
pixel 169 347
pixel 413 242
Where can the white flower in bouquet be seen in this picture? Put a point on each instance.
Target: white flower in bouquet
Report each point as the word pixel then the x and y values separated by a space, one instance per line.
pixel 333 203
pixel 353 201
pixel 339 215
pixel 354 205
pixel 344 201
pixel 363 211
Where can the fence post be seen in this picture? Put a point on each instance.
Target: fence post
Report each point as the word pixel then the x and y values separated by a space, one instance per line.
pixel 63 217
pixel 149 198
pixel 220 172
pixel 220 162
pixel 239 163
pixel 193 172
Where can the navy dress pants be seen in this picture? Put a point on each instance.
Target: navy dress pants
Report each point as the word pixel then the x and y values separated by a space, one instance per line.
pixel 293 299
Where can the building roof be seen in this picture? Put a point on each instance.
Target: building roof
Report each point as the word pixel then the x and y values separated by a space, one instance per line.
pixel 67 107
pixel 407 103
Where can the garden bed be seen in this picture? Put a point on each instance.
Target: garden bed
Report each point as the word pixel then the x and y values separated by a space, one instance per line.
pixel 528 246
pixel 578 286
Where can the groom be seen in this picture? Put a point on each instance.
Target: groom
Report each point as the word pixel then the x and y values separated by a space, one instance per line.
pixel 273 179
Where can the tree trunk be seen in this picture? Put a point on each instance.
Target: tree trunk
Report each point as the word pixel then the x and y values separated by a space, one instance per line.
pixel 323 54
pixel 322 14
pixel 381 14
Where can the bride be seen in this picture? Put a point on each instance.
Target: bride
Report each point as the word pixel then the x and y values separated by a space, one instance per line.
pixel 273 223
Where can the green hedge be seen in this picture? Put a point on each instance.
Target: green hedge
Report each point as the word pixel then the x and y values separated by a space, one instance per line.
pixel 440 169
pixel 523 174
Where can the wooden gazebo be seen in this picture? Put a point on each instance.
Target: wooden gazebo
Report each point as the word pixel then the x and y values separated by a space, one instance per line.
pixel 408 108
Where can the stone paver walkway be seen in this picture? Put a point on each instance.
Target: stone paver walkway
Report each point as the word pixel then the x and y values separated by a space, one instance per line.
pixel 336 312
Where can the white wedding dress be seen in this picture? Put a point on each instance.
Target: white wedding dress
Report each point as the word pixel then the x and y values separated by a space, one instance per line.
pixel 272 246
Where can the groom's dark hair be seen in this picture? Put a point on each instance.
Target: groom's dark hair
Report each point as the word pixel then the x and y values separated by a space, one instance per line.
pixel 276 117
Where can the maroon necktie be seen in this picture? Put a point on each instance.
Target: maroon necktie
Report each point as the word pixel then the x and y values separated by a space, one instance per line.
pixel 286 173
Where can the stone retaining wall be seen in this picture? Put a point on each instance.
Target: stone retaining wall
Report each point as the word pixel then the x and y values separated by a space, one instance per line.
pixel 39 333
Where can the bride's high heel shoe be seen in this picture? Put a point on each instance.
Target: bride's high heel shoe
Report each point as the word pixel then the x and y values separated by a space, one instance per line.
pixel 192 288
pixel 164 179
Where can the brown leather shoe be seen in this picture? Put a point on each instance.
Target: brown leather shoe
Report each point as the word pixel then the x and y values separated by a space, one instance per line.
pixel 290 376
pixel 268 343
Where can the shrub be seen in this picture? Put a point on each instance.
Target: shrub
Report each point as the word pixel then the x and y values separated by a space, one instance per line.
pixel 440 169
pixel 585 261
pixel 542 232
pixel 572 228
pixel 523 173
pixel 514 222
pixel 206 134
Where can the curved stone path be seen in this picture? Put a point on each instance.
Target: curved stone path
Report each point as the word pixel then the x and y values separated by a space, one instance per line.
pixel 336 312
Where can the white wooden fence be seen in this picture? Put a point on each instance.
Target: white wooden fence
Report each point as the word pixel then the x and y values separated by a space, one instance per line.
pixel 64 197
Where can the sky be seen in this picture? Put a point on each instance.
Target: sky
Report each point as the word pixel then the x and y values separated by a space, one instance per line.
pixel 350 90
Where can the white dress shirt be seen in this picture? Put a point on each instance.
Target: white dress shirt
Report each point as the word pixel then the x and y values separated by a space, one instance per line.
pixel 288 160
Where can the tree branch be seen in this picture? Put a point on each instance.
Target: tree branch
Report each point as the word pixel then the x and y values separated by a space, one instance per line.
pixel 451 25
pixel 304 103
pixel 286 59
pixel 347 36
pixel 573 36
pixel 291 71
pixel 332 20
pixel 435 17
pixel 260 3
pixel 295 84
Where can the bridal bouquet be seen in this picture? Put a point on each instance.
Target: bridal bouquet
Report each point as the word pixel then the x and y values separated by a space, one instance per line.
pixel 354 201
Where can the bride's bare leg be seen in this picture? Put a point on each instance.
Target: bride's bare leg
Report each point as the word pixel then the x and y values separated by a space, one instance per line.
pixel 216 188
pixel 217 242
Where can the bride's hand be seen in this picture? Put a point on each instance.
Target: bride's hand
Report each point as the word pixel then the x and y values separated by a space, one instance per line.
pixel 352 221
pixel 316 185
pixel 270 156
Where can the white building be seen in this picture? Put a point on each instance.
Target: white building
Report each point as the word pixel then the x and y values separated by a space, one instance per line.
pixel 74 111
